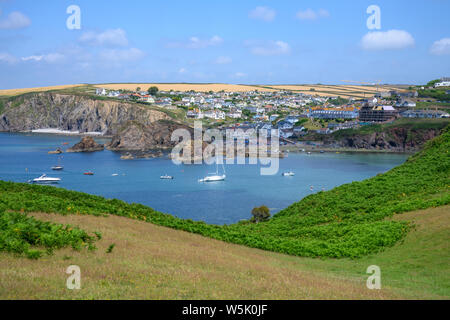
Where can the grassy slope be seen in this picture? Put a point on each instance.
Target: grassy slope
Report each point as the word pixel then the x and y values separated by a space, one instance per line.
pixel 152 262
pixel 348 221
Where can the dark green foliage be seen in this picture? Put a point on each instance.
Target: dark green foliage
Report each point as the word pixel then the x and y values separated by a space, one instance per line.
pixel 153 90
pixel 348 221
pixel 110 248
pixel 439 94
pixel 260 214
pixel 21 234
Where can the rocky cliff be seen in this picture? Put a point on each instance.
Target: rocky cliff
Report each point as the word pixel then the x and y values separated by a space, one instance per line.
pixel 397 139
pixel 72 112
pixel 133 136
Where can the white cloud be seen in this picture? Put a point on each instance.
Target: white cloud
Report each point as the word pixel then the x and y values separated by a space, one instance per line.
pixel 49 58
pixel 182 70
pixel 387 40
pixel 223 60
pixel 262 13
pixel 121 55
pixel 111 37
pixel 270 48
pixel 197 43
pixel 240 75
pixel 6 57
pixel 310 14
pixel 15 20
pixel 441 47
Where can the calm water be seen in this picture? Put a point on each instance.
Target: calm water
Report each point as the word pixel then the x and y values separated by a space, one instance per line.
pixel 220 202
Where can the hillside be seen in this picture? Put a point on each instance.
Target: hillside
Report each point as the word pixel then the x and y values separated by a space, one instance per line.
pixel 404 135
pixel 152 262
pixel 360 223
pixel 72 112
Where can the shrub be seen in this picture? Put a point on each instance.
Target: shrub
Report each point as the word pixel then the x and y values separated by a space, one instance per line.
pixel 260 214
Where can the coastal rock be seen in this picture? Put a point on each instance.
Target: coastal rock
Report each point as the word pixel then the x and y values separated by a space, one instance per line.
pixel 396 139
pixel 57 151
pixel 67 112
pixel 136 136
pixel 87 144
pixel 127 156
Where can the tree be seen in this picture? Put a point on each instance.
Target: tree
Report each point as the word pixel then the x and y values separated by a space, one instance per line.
pixel 260 214
pixel 153 90
pixel 138 89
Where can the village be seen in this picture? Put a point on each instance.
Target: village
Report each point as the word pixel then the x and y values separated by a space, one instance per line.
pixel 292 113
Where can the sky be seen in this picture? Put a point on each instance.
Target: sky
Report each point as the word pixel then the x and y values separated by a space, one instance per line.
pixel 242 42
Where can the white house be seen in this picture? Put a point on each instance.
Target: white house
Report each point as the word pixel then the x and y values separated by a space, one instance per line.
pixel 100 92
pixel 442 84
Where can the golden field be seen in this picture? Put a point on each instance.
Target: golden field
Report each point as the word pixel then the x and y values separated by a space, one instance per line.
pixel 13 92
pixel 344 91
pixel 184 87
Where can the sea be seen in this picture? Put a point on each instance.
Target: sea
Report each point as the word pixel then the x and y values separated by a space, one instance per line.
pixel 24 156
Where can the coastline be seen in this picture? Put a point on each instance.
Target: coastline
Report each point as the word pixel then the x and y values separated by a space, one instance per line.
pixel 318 149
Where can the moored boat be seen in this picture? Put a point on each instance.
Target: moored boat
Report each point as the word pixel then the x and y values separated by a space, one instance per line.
pixel 44 179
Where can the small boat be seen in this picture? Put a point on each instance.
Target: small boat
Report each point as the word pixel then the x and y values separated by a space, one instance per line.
pixel 58 167
pixel 288 174
pixel 45 179
pixel 213 177
pixel 166 177
pixel 321 151
pixel 65 143
pixel 115 174
pixel 88 173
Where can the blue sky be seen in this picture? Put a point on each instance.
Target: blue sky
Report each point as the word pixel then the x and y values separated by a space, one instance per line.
pixel 255 42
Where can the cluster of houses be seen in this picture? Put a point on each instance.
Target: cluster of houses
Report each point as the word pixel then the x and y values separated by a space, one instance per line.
pixel 445 82
pixel 268 110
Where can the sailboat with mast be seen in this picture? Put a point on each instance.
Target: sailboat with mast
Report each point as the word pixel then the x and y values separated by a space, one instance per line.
pixel 213 177
pixel 58 167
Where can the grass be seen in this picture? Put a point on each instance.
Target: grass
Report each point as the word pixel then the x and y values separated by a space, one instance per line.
pixel 153 262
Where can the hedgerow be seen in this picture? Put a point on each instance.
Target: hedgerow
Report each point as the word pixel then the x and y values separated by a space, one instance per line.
pixel 348 221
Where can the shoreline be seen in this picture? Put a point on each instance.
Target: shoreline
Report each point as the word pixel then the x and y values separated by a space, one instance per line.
pixel 299 149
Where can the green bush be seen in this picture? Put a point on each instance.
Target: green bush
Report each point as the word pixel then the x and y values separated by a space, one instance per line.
pixel 20 233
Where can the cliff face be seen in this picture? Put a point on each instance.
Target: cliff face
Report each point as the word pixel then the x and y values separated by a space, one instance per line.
pixel 393 139
pixel 133 136
pixel 74 113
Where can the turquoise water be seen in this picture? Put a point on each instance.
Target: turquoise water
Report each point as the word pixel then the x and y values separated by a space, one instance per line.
pixel 220 202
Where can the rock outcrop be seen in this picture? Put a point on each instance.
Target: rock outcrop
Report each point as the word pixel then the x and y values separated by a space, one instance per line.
pixel 393 139
pixel 72 113
pixel 401 138
pixel 135 136
pixel 87 144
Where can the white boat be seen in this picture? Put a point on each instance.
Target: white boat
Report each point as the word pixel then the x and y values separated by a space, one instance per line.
pixel 58 167
pixel 166 177
pixel 213 177
pixel 45 179
pixel 288 174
